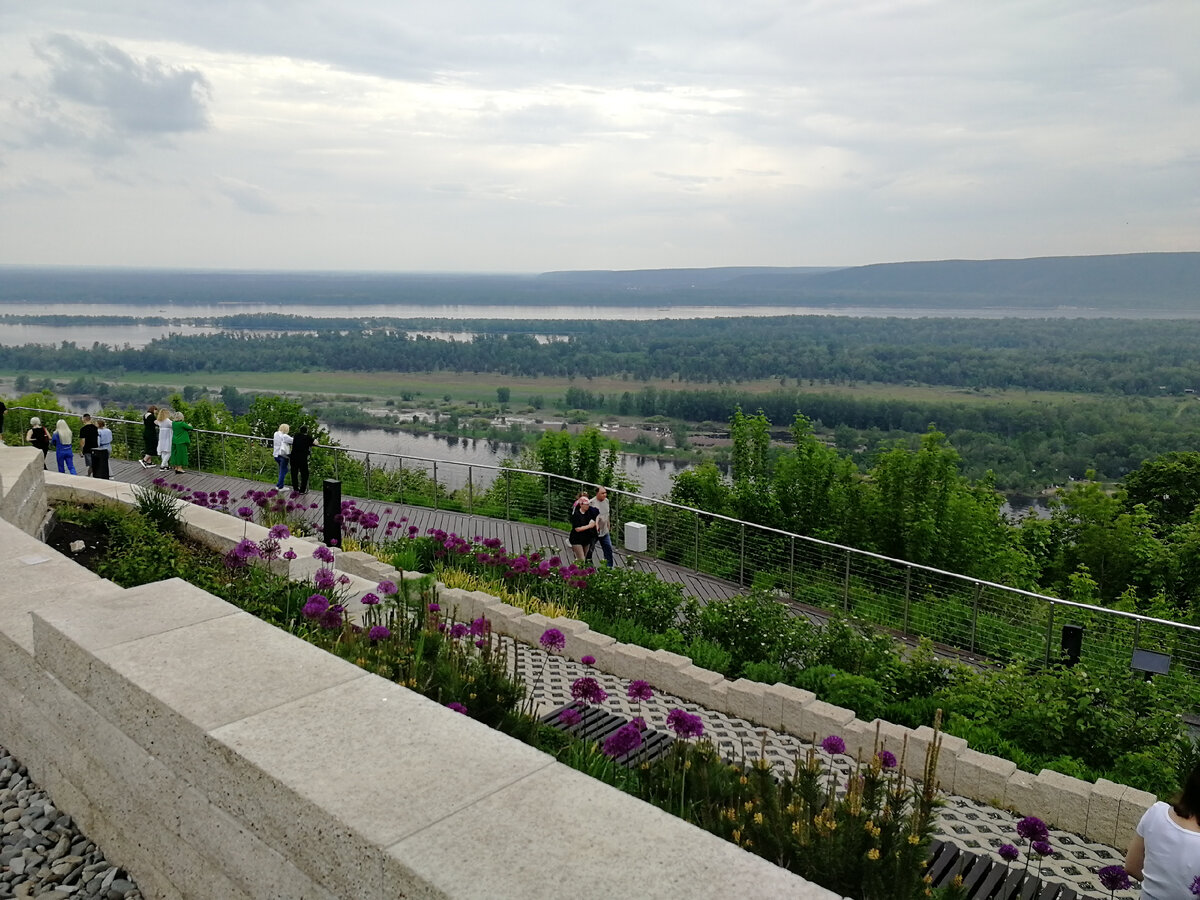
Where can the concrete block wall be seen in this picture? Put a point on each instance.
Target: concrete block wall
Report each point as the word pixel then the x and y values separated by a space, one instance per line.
pixel 1068 803
pixel 23 489
pixel 213 755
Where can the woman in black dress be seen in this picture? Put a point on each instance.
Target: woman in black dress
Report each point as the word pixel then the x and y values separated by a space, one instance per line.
pixel 583 526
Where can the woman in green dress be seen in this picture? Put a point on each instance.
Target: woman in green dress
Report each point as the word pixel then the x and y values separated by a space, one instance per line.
pixel 181 440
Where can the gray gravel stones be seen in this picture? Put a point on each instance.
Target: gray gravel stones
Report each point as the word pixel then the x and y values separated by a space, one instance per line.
pixel 42 852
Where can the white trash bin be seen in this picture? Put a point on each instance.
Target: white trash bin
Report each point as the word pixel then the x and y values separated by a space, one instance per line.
pixel 635 537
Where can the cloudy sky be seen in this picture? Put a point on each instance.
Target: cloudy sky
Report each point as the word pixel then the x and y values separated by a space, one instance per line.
pixel 526 135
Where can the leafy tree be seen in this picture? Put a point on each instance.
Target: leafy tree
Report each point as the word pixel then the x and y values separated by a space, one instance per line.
pixel 1168 486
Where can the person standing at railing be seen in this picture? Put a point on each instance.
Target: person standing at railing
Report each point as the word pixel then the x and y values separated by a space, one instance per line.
pixel 603 525
pixel 281 450
pixel 103 451
pixel 87 441
pixel 149 436
pixel 181 442
pixel 166 435
pixel 301 446
pixel 39 437
pixel 583 527
pixel 64 448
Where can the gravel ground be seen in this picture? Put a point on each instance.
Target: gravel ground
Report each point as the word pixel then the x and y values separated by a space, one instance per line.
pixel 42 852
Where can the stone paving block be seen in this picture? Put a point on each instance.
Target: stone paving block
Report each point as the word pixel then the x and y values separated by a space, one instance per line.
pixel 457 604
pixel 542 830
pixel 859 737
pixel 1134 804
pixel 623 660
pixel 912 763
pixel 1104 805
pixel 693 683
pixel 504 618
pixel 745 700
pixel 569 626
pixel 587 643
pixel 823 719
pixel 663 667
pixel 891 737
pixel 982 777
pixel 1065 800
pixel 530 628
pixel 1021 793
pixel 28 564
pixel 951 746
pixel 284 769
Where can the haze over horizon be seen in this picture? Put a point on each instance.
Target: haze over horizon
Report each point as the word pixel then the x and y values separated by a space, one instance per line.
pixel 536 136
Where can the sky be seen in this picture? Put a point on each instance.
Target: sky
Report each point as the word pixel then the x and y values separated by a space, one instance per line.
pixel 534 135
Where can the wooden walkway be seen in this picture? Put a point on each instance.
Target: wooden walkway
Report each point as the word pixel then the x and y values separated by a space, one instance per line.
pixel 515 536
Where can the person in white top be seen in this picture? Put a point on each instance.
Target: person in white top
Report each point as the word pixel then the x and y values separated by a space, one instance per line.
pixel 282 450
pixel 1165 853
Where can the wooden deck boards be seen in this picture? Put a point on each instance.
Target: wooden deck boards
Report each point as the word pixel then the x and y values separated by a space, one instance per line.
pixel 515 536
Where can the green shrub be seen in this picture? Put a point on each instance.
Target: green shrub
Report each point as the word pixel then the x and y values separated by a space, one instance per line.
pixel 765 672
pixel 635 596
pixel 1147 771
pixel 749 627
pixel 159 507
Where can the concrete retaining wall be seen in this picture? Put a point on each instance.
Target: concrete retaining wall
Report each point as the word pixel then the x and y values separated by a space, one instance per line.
pixel 213 755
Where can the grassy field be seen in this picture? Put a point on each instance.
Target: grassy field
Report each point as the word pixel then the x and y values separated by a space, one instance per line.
pixel 481 387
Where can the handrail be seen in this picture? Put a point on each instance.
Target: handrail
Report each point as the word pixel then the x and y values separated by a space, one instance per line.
pixel 976 583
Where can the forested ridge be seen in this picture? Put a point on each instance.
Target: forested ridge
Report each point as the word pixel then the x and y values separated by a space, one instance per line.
pixel 1095 356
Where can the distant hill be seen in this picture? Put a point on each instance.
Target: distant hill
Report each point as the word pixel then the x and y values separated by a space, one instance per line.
pixel 1149 283
pixel 1146 281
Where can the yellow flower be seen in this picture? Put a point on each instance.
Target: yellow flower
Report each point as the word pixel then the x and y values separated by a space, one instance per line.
pixel 914 839
pixel 737 835
pixel 873 853
pixel 743 780
pixel 748 805
pixel 758 818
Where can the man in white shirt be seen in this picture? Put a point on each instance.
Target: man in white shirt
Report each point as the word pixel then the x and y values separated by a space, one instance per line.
pixel 603 538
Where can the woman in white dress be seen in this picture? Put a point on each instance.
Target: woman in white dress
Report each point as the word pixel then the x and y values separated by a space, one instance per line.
pixel 165 435
pixel 281 450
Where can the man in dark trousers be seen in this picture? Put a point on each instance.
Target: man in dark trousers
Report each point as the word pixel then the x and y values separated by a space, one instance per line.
pixel 88 436
pixel 301 446
pixel 104 439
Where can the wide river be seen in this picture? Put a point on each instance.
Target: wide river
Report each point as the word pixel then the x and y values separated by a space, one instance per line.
pixel 138 335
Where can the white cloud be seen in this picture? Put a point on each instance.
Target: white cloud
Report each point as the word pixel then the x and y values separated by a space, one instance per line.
pixel 537 134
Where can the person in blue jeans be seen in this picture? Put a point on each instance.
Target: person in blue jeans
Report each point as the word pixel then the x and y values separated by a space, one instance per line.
pixel 64 452
pixel 281 451
pixel 603 524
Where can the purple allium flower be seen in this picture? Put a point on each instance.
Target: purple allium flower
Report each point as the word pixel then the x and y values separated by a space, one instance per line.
pixel 640 690
pixel 1042 848
pixel 555 562
pixel 343 579
pixel 1033 829
pixel 457 707
pixel 1115 878
pixel 481 643
pixel 289 554
pixel 588 690
pixel 480 626
pixel 280 532
pixel 379 633
pixel 323 553
pixel 887 759
pixel 369 599
pixel 588 660
pixel 1008 852
pixel 386 587
pixel 324 580
pixel 638 722
pixel 624 740
pixel 833 744
pixel 458 630
pixel 435 607
pixel 570 716
pixel 1195 888
pixel 684 724
pixel 552 639
pixel 332 617
pixel 245 512
pixel 316 606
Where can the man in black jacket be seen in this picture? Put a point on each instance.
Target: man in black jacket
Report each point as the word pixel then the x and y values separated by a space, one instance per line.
pixel 301 445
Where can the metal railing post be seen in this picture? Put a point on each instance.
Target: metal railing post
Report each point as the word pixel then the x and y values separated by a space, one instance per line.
pixel 792 569
pixel 367 462
pixel 907 596
pixel 846 585
pixel 401 480
pixel 508 496
pixel 336 468
pixel 654 530
pixel 975 614
pixel 696 520
pixel 742 558
pixel 470 490
pixel 547 499
pixel 224 455
pixel 1049 633
pixel 435 486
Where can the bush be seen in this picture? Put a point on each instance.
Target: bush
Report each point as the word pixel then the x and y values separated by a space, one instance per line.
pixel 159 507
pixel 628 594
pixel 749 627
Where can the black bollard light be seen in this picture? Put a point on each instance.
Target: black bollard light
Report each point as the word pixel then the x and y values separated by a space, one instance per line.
pixel 331 496
pixel 1072 643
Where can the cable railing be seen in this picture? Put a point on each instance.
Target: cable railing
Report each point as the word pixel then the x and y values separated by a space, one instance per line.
pixel 979 618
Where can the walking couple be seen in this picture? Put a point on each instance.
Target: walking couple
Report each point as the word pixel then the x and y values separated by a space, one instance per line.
pixel 590 525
